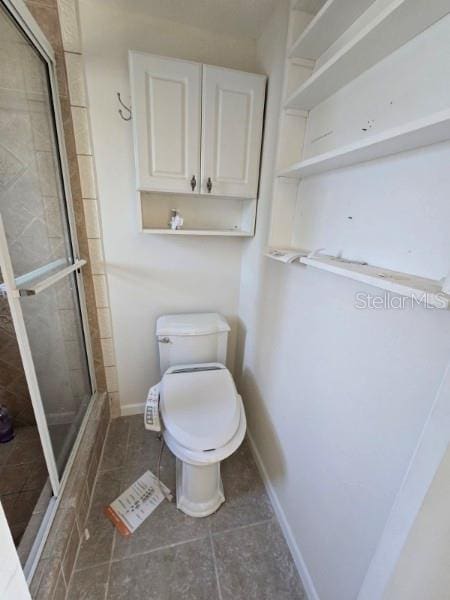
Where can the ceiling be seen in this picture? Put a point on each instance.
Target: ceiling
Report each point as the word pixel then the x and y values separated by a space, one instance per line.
pixel 232 17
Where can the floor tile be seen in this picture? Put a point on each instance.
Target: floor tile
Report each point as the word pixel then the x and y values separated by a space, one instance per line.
pixel 169 557
pixel 165 526
pixel 143 451
pixel 254 563
pixel 182 572
pixel 246 500
pixel 115 449
pixel 5 451
pixel 98 547
pixel 89 584
pixel 36 477
pixel 13 478
pixel 25 452
pixel 107 488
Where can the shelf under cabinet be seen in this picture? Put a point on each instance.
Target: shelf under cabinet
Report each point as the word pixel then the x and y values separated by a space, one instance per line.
pixel 328 25
pixel 428 130
pixel 203 214
pixel 216 232
pixel 397 24
pixel 428 292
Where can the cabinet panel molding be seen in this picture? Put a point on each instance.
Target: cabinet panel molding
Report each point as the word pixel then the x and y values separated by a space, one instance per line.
pixel 232 115
pixel 166 98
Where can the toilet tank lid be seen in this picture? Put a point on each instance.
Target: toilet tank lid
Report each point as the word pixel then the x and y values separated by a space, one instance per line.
pixel 191 324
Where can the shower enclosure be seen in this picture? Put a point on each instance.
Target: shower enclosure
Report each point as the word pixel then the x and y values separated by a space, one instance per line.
pixel 46 371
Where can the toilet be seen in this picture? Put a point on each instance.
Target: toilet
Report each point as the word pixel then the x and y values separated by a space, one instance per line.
pixel 202 414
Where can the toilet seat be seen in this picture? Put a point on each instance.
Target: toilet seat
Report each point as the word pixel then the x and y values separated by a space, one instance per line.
pixel 204 458
pixel 200 406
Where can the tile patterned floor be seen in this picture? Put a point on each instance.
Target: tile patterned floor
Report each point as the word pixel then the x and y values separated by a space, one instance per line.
pixel 238 553
pixel 22 476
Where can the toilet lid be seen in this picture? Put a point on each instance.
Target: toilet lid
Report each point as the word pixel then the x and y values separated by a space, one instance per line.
pixel 200 409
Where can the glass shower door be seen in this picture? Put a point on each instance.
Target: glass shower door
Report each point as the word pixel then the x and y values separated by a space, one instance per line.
pixel 39 260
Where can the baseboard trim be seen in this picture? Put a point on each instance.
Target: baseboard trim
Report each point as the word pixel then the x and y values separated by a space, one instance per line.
pixel 305 576
pixel 127 410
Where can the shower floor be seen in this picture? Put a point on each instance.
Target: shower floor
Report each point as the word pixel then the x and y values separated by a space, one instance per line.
pixel 23 474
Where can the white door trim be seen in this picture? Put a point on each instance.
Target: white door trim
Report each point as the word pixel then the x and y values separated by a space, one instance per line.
pixel 423 466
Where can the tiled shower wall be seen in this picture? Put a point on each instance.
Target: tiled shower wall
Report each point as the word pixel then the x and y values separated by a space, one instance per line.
pixel 59 21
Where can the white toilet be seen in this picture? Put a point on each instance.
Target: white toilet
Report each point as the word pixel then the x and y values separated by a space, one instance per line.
pixel 202 413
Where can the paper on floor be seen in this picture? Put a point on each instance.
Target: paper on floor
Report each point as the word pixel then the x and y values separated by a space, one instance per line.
pixel 136 503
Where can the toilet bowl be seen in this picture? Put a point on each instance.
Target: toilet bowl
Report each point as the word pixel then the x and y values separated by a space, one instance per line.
pixel 204 423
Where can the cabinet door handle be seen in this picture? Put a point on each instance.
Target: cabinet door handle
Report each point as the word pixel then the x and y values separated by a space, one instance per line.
pixel 209 185
pixel 193 183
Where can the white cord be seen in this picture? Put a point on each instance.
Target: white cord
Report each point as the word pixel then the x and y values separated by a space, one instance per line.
pixel 167 495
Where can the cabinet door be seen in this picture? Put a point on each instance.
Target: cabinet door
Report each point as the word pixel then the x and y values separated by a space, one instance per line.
pixel 166 101
pixel 232 117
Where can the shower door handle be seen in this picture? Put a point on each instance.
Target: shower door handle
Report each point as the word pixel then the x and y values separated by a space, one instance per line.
pixel 32 290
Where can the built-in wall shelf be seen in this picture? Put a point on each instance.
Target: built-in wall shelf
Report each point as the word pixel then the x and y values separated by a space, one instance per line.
pixel 221 232
pixel 286 255
pixel 338 41
pixel 428 292
pixel 398 23
pixel 202 215
pixel 416 134
pixel 328 25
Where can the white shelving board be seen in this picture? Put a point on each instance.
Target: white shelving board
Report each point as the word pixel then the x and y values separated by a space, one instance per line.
pixel 328 25
pixel 286 255
pixel 203 214
pixel 416 134
pixel 424 290
pixel 398 23
pixel 221 232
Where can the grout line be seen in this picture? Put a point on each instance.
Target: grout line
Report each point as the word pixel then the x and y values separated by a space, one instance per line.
pixel 113 545
pixel 92 566
pixel 112 561
pixel 216 571
pixel 238 527
pixel 174 545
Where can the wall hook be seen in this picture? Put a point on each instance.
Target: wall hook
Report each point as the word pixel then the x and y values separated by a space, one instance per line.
pixel 130 114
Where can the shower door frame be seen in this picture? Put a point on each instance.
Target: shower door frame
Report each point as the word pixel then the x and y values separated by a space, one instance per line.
pixel 29 27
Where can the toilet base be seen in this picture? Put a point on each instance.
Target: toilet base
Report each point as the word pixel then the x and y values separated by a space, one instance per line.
pixel 199 488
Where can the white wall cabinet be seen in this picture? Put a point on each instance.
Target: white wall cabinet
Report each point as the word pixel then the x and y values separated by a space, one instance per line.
pixel 167 122
pixel 232 114
pixel 197 131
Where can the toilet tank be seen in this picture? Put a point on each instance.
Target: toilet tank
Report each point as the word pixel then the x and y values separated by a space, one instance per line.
pixel 191 338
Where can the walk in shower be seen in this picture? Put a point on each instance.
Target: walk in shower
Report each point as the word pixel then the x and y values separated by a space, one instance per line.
pixel 46 374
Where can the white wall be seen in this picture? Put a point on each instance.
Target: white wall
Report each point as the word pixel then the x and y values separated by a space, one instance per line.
pixel 337 397
pixel 150 275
